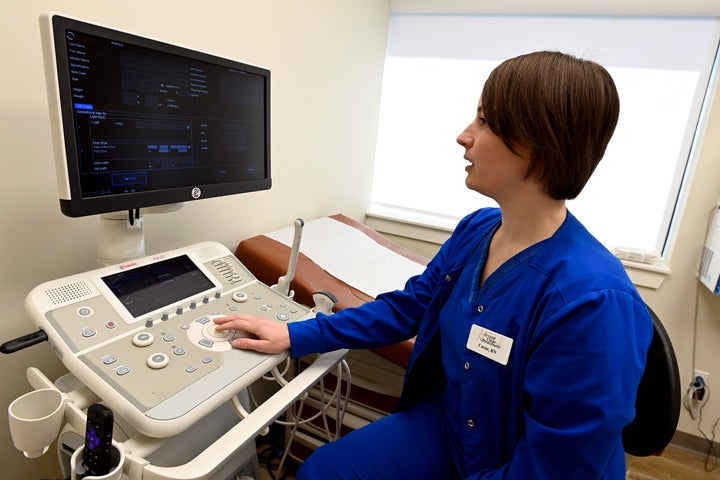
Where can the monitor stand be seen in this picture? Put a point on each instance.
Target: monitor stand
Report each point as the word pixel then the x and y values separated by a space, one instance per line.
pixel 121 237
pixel 118 240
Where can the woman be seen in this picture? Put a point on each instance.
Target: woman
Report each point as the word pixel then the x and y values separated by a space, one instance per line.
pixel 531 339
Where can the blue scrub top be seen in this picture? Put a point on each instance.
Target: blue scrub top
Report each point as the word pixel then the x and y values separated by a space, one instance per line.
pixel 580 334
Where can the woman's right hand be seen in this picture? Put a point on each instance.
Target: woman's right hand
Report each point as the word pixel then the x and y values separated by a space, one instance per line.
pixel 270 336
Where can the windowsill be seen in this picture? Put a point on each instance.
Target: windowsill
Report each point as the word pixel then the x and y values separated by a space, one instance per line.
pixel 406 223
pixel 436 230
pixel 645 275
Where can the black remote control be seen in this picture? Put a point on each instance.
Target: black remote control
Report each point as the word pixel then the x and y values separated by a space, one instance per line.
pixel 98 440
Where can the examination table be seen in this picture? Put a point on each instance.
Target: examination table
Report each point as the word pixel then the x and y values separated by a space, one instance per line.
pixel 355 263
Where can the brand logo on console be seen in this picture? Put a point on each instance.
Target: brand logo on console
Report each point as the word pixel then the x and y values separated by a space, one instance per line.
pixel 128 265
pixel 196 193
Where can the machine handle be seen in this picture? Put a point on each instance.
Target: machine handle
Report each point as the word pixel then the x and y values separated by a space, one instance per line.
pixel 208 461
pixel 23 342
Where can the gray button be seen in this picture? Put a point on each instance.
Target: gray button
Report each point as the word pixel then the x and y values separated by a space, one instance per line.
pixel 109 359
pixel 88 332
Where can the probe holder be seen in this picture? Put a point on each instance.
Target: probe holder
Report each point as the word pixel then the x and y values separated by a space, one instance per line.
pixel 118 458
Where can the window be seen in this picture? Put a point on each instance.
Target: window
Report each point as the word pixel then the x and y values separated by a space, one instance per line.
pixel 434 72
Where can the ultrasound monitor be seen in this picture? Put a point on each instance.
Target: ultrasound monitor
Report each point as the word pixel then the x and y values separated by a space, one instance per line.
pixel 139 123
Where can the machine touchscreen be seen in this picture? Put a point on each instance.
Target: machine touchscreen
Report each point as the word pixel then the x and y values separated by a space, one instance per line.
pixel 150 287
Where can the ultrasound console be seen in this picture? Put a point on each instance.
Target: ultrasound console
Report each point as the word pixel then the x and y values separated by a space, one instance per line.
pixel 141 334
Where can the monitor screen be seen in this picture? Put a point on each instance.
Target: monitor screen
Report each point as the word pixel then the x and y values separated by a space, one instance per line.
pixel 137 122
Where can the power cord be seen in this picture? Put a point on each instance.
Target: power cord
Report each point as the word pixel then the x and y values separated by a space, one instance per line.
pixel 696 397
pixel 711 456
pixel 698 393
pixel 273 450
pixel 341 407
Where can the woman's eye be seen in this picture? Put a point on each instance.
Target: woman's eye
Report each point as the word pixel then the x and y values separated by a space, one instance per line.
pixel 482 121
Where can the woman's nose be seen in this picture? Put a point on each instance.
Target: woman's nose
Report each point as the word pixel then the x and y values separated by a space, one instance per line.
pixel 464 139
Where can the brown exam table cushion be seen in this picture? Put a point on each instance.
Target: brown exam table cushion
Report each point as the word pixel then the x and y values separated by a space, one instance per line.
pixel 267 259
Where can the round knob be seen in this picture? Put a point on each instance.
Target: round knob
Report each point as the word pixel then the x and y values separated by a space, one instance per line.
pixel 143 339
pixel 210 332
pixel 240 297
pixel 157 360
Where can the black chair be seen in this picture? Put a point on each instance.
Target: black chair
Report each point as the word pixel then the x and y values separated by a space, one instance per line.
pixel 657 407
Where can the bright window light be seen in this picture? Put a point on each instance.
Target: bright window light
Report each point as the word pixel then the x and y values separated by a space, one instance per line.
pixel 434 72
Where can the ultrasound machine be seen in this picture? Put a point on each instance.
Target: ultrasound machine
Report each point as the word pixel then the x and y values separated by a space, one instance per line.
pixel 137 123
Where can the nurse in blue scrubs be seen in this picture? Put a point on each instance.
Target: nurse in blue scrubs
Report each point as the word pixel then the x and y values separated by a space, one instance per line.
pixel 530 338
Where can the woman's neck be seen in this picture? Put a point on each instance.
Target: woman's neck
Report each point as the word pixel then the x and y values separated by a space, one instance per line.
pixel 532 224
pixel 521 228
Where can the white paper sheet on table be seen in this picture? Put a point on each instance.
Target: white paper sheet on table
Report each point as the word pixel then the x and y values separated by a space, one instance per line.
pixel 351 256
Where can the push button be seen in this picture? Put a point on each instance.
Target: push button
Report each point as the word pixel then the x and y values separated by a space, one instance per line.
pixel 88 332
pixel 109 359
pixel 143 339
pixel 157 360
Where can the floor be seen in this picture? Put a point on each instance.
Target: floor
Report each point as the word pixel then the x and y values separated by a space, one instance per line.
pixel 673 464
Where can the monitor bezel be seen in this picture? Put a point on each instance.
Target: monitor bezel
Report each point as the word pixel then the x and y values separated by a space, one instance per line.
pixel 72 203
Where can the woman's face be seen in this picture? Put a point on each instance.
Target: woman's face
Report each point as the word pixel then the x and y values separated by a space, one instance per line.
pixel 494 171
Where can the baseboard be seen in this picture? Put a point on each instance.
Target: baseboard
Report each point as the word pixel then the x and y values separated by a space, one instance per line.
pixel 693 443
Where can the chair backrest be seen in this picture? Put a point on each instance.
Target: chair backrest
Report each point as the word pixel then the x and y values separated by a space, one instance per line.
pixel 657 407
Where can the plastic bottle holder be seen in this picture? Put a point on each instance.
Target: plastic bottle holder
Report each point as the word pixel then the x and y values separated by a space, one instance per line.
pixel 117 456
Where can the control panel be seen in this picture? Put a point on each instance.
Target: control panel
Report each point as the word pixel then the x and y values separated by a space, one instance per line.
pixel 141 334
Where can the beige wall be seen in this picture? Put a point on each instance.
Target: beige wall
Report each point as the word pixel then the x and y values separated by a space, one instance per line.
pixel 326 58
pixel 675 300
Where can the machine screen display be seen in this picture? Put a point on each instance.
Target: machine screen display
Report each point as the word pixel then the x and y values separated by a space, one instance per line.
pixel 151 287
pixel 148 123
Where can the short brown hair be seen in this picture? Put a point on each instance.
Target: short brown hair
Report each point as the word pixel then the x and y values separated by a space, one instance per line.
pixel 562 108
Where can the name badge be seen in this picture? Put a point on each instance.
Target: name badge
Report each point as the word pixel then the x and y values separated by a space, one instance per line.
pixel 490 344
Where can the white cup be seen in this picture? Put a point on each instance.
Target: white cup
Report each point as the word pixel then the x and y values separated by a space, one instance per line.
pixel 35 419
